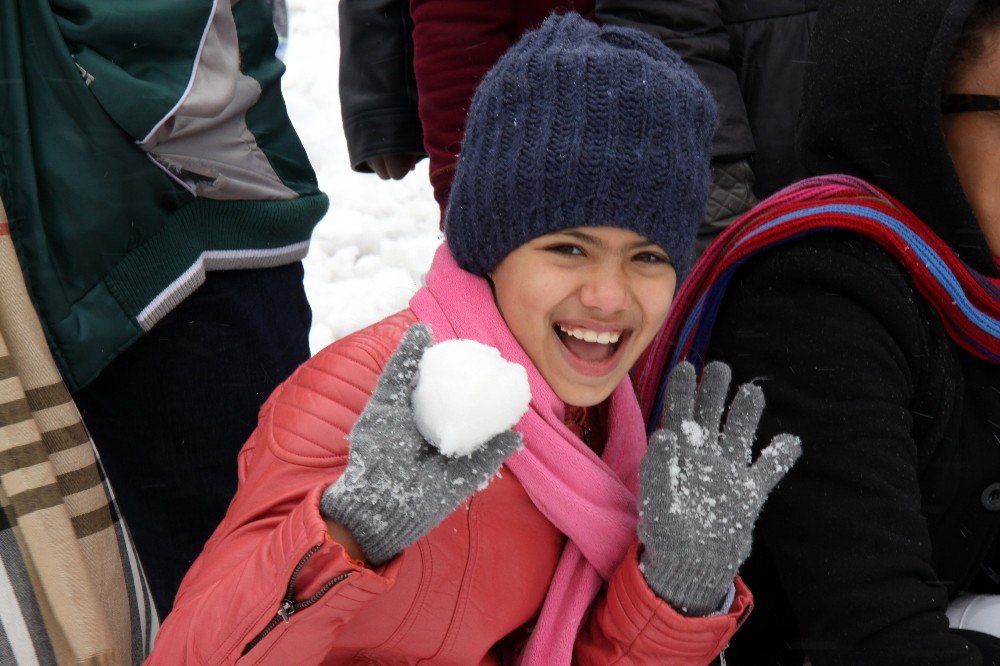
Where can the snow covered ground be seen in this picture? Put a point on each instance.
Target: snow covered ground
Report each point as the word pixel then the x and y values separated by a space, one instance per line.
pixel 370 251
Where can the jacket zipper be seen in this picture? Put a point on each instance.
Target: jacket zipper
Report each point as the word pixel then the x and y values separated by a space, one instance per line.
pixel 289 605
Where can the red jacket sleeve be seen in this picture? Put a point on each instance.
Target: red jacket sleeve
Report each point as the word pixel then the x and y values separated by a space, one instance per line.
pixel 455 42
pixel 630 624
pixel 272 549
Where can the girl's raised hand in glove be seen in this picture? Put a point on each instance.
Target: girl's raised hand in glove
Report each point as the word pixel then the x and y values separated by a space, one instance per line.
pixel 396 486
pixel 699 494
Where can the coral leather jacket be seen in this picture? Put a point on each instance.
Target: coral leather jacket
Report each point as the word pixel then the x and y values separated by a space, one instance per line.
pixel 271 587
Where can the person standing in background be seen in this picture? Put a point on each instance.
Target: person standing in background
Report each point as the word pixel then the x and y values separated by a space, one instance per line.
pixel 378 91
pixel 160 203
pixel 751 57
pixel 866 300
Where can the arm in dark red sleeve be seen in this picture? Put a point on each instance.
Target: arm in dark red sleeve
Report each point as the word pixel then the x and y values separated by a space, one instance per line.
pixel 455 42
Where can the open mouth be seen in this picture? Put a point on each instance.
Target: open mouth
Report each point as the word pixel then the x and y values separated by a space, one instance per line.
pixel 589 351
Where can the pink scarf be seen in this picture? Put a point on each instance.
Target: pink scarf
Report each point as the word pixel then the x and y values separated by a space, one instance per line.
pixel 591 500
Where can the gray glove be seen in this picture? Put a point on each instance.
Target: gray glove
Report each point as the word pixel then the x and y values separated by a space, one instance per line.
pixel 397 487
pixel 699 494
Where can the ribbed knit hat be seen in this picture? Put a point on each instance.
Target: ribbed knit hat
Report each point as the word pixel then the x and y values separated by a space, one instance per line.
pixel 582 125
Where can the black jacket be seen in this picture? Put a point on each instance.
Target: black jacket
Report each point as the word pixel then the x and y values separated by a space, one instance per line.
pixel 894 507
pixel 770 46
pixel 378 92
pixel 750 55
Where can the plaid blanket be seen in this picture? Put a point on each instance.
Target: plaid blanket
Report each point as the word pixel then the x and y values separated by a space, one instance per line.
pixel 71 587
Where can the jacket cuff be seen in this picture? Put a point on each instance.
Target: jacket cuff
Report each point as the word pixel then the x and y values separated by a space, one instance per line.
pixel 332 560
pixel 289 545
pixel 662 624
pixel 727 603
pixel 383 132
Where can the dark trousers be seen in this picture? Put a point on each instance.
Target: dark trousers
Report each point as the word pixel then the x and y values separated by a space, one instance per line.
pixel 170 414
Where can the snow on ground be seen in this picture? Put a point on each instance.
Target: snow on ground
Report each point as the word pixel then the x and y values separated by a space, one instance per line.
pixel 370 251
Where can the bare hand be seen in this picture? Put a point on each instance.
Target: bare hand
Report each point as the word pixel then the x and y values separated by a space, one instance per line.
pixel 393 166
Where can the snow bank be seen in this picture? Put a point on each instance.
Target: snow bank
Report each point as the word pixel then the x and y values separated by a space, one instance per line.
pixel 369 253
pixel 466 394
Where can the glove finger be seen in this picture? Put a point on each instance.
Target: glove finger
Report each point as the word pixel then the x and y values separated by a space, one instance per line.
pixel 741 423
pixel 711 399
pixel 774 462
pixel 659 472
pixel 397 380
pixel 681 385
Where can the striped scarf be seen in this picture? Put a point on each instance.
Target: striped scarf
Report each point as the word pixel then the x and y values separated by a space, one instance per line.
pixel 71 587
pixel 968 303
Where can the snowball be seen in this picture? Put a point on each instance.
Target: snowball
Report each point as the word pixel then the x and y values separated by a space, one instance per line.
pixel 467 393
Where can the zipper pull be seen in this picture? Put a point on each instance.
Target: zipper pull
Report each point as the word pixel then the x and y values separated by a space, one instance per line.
pixel 287 608
pixel 289 605
pixel 87 77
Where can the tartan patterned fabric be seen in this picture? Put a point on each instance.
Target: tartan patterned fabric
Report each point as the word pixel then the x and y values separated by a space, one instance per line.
pixel 71 586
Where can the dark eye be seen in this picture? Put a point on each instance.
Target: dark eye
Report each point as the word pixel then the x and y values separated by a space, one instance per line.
pixel 567 249
pixel 650 258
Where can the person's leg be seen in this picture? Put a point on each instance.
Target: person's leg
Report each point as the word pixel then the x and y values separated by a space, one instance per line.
pixel 170 414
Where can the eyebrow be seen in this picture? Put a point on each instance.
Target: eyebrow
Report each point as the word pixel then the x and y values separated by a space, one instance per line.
pixel 594 240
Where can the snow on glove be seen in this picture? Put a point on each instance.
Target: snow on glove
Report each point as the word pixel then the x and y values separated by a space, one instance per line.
pixel 397 487
pixel 699 493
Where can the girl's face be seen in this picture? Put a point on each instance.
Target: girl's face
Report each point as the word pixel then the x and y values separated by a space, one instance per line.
pixel 584 303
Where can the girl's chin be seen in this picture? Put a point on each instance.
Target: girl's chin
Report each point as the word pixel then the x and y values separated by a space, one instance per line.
pixel 580 391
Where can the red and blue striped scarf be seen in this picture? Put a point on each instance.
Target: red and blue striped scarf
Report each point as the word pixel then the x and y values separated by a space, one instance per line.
pixel 969 303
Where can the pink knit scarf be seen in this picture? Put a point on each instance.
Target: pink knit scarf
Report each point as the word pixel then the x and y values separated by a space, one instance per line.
pixel 591 500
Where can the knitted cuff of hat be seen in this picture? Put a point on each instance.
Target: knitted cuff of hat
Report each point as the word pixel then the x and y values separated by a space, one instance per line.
pixel 382 534
pixel 693 587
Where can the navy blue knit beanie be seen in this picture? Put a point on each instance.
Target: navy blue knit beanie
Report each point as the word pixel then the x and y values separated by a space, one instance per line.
pixel 582 125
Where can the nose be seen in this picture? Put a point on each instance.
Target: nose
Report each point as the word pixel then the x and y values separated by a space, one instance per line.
pixel 606 289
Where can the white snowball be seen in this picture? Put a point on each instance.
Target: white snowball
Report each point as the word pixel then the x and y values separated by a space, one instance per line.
pixel 467 393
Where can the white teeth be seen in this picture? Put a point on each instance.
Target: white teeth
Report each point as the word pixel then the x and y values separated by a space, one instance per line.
pixel 603 338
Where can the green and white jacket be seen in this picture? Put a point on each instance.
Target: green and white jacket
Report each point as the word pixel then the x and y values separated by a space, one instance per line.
pixel 141 144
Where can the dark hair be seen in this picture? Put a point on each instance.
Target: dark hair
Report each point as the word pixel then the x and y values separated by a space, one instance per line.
pixel 973 42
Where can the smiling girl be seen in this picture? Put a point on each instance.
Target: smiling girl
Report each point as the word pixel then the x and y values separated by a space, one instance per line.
pixel 583 174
